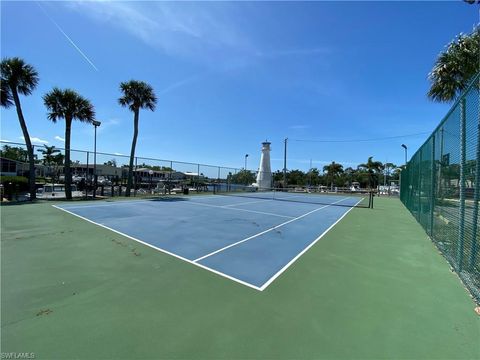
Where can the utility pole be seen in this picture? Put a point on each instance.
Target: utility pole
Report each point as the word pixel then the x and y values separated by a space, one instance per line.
pixel 96 124
pixel 310 175
pixel 285 164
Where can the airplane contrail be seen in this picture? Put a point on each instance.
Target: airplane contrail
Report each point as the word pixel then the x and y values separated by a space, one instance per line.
pixel 68 38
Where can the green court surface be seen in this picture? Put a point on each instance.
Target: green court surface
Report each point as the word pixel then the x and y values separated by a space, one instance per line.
pixel 373 287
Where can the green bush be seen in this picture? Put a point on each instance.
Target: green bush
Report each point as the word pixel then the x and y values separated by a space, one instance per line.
pixel 20 183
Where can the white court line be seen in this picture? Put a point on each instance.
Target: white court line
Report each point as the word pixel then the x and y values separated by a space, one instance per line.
pixel 279 272
pixel 102 204
pixel 245 210
pixel 262 288
pixel 266 231
pixel 249 202
pixel 162 250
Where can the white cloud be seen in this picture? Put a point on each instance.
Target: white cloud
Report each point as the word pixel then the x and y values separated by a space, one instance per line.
pixel 294 52
pixel 59 138
pixel 7 141
pixel 178 29
pixel 119 154
pixel 35 140
pixel 298 127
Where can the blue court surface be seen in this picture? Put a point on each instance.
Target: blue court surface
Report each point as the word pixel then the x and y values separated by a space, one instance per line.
pixel 250 241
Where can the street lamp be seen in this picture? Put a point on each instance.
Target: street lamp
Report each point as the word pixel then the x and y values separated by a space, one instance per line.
pixel 96 124
pixel 151 174
pixel 405 147
pixel 246 156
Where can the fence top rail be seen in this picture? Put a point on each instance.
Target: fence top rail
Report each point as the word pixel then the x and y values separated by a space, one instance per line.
pixel 474 82
pixel 3 142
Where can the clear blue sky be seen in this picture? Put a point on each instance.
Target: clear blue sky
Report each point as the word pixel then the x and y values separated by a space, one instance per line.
pixel 230 75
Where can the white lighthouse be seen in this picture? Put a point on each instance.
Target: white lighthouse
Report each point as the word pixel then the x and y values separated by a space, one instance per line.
pixel 264 176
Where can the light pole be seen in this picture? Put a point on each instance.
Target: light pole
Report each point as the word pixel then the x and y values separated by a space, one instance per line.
pixel 285 164
pixel 96 124
pixel 405 147
pixel 246 177
pixel 151 174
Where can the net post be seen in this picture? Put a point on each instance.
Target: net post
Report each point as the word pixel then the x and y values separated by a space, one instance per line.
pixel 461 230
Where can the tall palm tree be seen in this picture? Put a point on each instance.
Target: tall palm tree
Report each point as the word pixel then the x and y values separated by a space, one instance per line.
pixel 333 170
pixel 68 105
pixel 455 67
pixel 373 168
pixel 136 95
pixel 18 77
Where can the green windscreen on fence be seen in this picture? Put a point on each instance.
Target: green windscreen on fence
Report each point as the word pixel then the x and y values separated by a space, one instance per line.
pixel 441 187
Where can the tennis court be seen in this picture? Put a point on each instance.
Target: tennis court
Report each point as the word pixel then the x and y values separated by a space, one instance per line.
pixel 248 240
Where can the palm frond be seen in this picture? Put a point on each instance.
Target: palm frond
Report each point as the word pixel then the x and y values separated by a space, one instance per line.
pixel 5 95
pixel 19 75
pixel 455 67
pixel 68 103
pixel 137 95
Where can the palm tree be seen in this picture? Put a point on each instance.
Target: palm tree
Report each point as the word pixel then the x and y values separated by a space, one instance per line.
pixel 455 67
pixel 136 95
pixel 388 167
pixel 68 105
pixel 333 170
pixel 18 77
pixel 372 168
pixel 52 159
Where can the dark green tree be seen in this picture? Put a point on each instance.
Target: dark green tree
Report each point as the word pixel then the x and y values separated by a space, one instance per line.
pixel 373 168
pixel 14 153
pixel 244 177
pixel 53 159
pixel 332 172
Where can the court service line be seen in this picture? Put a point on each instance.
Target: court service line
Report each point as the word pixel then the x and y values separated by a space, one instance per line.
pixel 266 231
pixel 245 210
pixel 162 250
pixel 279 272
pixel 249 202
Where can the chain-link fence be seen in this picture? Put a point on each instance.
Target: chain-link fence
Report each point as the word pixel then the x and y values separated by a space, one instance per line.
pixel 105 174
pixel 441 187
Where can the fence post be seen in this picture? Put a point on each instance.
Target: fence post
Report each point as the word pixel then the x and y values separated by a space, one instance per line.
pixel 170 178
pixel 432 195
pixel 461 230
pixel 419 188
pixel 476 198
pixel 86 177
pixel 135 179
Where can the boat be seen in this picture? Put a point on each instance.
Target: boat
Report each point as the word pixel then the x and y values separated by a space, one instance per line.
pixel 56 191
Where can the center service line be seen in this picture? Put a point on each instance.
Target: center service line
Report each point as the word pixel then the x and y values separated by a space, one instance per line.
pixel 266 231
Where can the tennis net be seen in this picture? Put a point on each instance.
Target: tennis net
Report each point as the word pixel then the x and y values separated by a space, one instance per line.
pixel 348 198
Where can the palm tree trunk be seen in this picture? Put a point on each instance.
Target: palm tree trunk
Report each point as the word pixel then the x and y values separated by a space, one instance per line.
pixel 132 152
pixel 68 173
pixel 31 159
